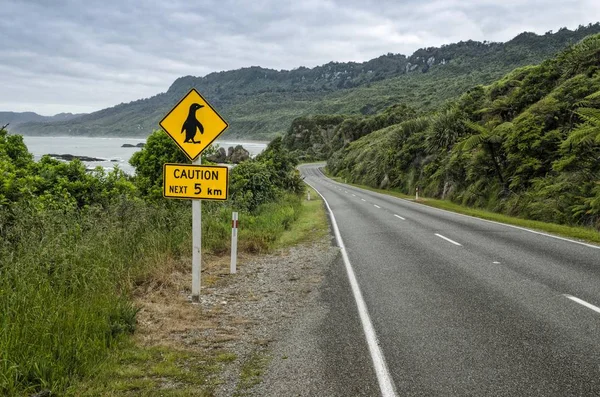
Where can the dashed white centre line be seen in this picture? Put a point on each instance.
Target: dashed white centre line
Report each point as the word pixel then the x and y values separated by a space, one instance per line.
pixel 363 200
pixel 398 216
pixel 345 191
pixel 582 302
pixel 354 195
pixel 376 206
pixel 447 239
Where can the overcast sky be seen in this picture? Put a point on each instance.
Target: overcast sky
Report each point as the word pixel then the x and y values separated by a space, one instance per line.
pixel 86 55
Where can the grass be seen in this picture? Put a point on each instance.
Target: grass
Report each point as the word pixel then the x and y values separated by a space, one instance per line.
pixel 311 225
pixel 251 373
pixel 64 283
pixel 124 366
pixel 580 233
pixel 150 371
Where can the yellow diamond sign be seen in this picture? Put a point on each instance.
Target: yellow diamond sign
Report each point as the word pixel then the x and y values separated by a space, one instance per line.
pixel 193 124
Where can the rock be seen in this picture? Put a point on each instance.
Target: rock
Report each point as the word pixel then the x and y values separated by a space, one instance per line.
pixel 69 157
pixel 385 182
pixel 43 393
pixel 219 157
pixel 238 154
pixel 233 155
pixel 141 144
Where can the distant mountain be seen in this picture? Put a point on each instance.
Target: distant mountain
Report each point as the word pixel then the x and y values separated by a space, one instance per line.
pixel 16 118
pixel 260 103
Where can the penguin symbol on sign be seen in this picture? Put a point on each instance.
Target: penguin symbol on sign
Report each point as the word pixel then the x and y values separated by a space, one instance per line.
pixel 191 124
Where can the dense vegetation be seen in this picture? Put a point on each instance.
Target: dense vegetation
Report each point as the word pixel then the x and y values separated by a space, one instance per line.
pixel 260 103
pixel 526 145
pixel 74 245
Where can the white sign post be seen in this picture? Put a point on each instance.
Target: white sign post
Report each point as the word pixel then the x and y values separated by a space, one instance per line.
pixel 234 238
pixel 196 244
pixel 191 115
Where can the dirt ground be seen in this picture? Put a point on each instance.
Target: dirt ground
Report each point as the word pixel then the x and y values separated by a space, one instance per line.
pixel 240 314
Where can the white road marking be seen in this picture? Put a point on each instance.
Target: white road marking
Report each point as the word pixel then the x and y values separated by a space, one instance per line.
pixel 381 369
pixel 447 239
pixel 506 224
pixel 345 191
pixel 496 263
pixel 398 216
pixel 376 206
pixel 363 200
pixel 582 302
pixel 354 195
pixel 486 220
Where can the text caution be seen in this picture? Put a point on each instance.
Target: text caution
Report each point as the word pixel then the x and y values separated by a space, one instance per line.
pixel 199 182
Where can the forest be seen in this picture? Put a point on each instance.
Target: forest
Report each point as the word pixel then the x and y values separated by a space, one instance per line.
pixel 526 145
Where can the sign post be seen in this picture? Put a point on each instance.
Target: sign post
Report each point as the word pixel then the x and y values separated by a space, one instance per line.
pixel 196 244
pixel 194 124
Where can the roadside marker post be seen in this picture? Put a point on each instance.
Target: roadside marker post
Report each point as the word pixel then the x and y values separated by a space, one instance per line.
pixel 194 124
pixel 417 194
pixel 234 240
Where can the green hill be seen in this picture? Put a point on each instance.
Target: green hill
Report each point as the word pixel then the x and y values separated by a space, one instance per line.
pixel 527 144
pixel 260 103
pixel 15 118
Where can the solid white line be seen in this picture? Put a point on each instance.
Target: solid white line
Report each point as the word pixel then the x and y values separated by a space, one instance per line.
pixel 447 239
pixel 582 302
pixel 481 219
pixel 381 370
pixel 398 216
pixel 506 224
pixel 376 206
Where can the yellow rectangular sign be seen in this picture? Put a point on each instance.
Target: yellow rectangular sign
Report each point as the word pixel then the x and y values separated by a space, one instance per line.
pixel 200 182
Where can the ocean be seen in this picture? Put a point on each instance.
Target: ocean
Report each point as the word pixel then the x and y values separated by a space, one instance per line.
pixel 110 150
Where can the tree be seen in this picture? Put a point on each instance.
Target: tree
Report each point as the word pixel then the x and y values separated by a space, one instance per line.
pixel 489 138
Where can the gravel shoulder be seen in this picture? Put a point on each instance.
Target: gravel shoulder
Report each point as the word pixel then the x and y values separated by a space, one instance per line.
pixel 287 318
pixel 271 316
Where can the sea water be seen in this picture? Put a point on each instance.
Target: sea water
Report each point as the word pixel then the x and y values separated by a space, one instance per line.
pixel 110 150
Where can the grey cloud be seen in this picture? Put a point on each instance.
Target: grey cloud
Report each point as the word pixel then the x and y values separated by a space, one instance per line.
pixel 71 55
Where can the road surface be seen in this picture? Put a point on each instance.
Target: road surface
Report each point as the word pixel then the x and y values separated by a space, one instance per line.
pixel 466 307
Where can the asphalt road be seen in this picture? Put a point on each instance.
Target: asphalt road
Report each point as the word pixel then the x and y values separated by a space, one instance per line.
pixel 466 307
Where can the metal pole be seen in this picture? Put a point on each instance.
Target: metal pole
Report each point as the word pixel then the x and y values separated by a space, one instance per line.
pixel 234 238
pixel 196 244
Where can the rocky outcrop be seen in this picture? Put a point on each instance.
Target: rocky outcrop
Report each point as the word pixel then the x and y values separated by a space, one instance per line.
pixel 238 154
pixel 233 155
pixel 69 157
pixel 141 144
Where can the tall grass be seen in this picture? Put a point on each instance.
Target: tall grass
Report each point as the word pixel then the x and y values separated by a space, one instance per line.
pixel 66 277
pixel 64 282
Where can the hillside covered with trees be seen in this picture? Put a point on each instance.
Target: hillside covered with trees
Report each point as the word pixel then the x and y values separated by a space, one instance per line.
pixel 526 145
pixel 260 103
